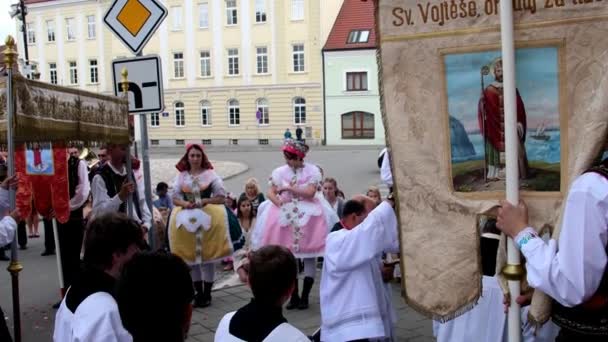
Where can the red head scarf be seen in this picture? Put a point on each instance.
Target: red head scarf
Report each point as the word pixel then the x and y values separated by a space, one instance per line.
pixel 184 165
pixel 295 147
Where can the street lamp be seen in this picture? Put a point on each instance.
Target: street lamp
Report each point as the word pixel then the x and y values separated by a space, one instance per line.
pixel 19 11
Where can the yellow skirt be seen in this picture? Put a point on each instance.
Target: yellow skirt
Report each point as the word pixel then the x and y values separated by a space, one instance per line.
pixel 203 246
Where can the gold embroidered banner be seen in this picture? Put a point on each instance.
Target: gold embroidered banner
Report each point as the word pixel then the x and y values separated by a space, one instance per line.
pixel 441 80
pixel 49 113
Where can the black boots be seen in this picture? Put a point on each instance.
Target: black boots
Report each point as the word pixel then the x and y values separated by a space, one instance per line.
pixel 294 302
pixel 307 286
pixel 297 302
pixel 202 298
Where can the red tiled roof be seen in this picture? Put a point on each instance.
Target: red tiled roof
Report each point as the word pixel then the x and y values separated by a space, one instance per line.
pixel 354 15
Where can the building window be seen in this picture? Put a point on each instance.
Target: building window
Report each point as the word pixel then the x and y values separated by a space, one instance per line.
pixel 231 12
pixel 262 60
pixel 298 58
pixel 356 81
pixel 262 112
pixel 31 33
pixel 154 142
pixel 358 125
pixel 205 113
pixel 91 27
pixel 180 142
pixel 178 65
pixel 176 13
pixel 297 9
pixel 180 114
pixel 299 111
pixel 155 119
pixel 358 36
pixel 205 64
pixel 94 71
pixel 53 73
pixel 203 15
pixel 73 73
pixel 50 31
pixel 234 113
pixel 233 61
pixel 70 29
pixel 260 11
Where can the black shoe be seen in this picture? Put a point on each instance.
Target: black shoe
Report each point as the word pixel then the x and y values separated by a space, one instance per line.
pixel 294 302
pixel 47 253
pixel 306 287
pixel 56 305
pixel 3 257
pixel 22 248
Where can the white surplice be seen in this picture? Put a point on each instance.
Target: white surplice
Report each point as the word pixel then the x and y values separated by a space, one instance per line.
pixel 285 332
pixel 354 302
pixel 96 320
pixel 385 170
pixel 570 270
pixel 487 322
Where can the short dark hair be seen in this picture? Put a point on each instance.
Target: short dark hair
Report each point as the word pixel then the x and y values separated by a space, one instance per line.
pixel 272 271
pixel 162 186
pixel 353 207
pixel 153 294
pixel 109 234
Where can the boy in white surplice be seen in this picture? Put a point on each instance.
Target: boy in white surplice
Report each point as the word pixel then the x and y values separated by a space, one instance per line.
pixel 351 270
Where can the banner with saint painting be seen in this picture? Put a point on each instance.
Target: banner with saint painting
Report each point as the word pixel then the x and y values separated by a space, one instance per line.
pixel 474 91
pixel 440 68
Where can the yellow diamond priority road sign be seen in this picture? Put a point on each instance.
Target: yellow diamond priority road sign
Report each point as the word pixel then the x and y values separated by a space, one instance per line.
pixel 135 21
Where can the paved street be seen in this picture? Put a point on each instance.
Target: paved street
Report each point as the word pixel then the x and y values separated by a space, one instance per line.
pixel 354 168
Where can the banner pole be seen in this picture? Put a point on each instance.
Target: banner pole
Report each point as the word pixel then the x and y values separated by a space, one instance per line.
pixel 511 161
pixel 15 266
pixel 125 89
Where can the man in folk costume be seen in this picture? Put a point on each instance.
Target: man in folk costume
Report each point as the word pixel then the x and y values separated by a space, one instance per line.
pixel 111 188
pixel 574 270
pixel 490 115
pixel 71 233
pixel 295 217
pixel 354 304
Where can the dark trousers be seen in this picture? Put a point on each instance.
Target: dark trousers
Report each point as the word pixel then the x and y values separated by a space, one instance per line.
pixel 566 335
pixel 49 237
pixel 5 335
pixel 21 234
pixel 70 236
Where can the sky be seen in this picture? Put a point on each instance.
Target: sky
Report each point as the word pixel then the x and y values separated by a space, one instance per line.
pixel 7 25
pixel 536 80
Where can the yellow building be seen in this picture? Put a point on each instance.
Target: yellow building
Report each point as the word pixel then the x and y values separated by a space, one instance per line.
pixel 222 61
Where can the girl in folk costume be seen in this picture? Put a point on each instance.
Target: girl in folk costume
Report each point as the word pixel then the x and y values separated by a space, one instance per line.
pixel 247 221
pixel 202 231
pixel 294 216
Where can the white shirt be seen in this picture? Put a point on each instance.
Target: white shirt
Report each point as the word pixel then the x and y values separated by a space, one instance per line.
pixel 83 188
pixel 570 270
pixel 285 332
pixel 487 322
pixel 8 226
pixel 351 270
pixel 385 170
pixel 96 320
pixel 102 203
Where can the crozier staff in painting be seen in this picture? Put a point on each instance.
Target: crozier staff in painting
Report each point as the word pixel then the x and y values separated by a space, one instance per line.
pixel 491 123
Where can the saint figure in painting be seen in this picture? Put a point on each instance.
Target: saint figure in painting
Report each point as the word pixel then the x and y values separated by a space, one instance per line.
pixel 491 123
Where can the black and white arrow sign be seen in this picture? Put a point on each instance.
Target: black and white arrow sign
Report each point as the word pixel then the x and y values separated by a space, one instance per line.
pixel 145 83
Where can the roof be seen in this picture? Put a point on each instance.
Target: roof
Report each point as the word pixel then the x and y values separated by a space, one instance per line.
pixel 28 2
pixel 354 15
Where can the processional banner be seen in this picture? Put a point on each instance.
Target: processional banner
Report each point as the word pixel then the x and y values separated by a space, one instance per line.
pixel 441 80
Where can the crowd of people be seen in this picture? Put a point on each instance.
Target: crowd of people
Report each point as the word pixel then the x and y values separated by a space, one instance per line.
pixel 272 240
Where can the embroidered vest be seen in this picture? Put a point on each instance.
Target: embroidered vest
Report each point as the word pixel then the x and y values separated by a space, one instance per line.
pixel 590 317
pixel 113 184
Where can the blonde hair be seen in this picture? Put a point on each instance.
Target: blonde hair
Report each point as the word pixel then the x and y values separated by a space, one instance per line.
pixel 253 182
pixel 375 190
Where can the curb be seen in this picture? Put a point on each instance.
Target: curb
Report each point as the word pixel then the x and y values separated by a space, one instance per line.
pixel 238 173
